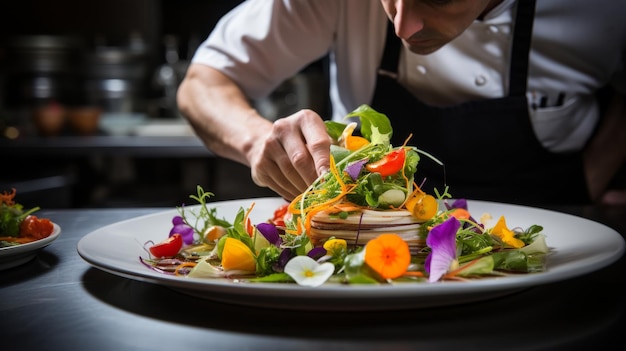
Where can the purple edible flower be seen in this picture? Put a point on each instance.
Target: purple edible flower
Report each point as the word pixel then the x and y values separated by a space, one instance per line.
pixel 460 203
pixel 183 229
pixel 442 242
pixel 283 258
pixel 316 252
pixel 270 233
pixel 354 168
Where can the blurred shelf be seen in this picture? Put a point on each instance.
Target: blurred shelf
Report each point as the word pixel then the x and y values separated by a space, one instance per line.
pixel 81 146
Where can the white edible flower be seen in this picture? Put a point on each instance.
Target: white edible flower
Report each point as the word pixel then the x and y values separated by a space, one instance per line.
pixel 308 272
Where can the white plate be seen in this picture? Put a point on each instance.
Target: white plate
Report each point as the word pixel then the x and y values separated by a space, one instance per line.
pixel 580 246
pixel 13 256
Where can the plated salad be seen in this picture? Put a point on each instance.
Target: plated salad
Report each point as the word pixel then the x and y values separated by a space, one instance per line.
pixel 366 221
pixel 19 225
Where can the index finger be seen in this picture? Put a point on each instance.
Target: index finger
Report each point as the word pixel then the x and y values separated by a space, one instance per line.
pixel 317 142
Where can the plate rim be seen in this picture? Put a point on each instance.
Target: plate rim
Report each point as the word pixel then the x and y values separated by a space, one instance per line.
pixel 56 232
pixel 22 253
pixel 328 292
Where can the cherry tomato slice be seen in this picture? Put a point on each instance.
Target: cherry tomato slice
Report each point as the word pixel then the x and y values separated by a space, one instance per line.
pixel 391 164
pixel 36 228
pixel 279 216
pixel 168 247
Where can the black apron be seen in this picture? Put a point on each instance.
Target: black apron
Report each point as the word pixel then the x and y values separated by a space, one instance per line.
pixel 489 149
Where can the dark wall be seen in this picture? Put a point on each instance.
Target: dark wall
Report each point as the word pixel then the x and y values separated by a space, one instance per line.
pixel 113 19
pixel 111 23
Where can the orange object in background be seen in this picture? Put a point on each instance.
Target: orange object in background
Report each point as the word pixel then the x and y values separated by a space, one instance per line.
pixel 49 119
pixel 84 120
pixel 52 118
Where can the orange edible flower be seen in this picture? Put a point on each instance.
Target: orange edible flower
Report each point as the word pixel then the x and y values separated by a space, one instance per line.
pixel 388 255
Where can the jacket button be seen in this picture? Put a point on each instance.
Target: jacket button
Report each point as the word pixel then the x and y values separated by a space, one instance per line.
pixel 421 69
pixel 480 80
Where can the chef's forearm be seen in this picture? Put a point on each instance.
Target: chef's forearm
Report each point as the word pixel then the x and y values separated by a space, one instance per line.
pixel 220 113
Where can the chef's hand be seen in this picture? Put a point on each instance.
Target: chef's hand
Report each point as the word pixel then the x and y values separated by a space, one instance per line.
pixel 286 155
pixel 295 152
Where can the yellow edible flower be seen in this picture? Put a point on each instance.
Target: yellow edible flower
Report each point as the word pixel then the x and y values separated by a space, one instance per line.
pixel 505 234
pixel 335 246
pixel 352 142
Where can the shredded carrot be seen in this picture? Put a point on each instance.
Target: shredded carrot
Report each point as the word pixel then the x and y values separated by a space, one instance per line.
pixel 454 273
pixel 7 198
pixel 413 274
pixel 184 265
pixel 334 204
pixel 19 240
pixel 406 185
pixel 417 190
pixel 293 206
pixel 299 227
pixel 344 207
pixel 311 210
pixel 328 203
pixel 335 172
pixel 247 222
pixel 406 179
pixel 406 141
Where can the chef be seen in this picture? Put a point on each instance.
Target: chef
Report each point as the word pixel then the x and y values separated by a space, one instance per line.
pixel 505 93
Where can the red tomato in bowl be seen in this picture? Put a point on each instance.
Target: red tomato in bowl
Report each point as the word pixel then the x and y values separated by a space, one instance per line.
pixel 36 228
pixel 168 247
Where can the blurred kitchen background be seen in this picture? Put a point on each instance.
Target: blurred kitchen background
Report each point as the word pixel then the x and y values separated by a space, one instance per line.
pixel 88 116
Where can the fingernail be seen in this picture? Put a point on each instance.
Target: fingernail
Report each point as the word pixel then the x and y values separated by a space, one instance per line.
pixel 322 171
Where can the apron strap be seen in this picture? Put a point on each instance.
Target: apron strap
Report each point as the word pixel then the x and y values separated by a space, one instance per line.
pixel 520 52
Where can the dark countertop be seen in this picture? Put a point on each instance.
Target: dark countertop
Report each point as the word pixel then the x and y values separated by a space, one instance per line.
pixel 58 301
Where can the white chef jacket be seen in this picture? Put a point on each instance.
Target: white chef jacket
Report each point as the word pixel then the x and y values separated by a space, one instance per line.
pixel 577 47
